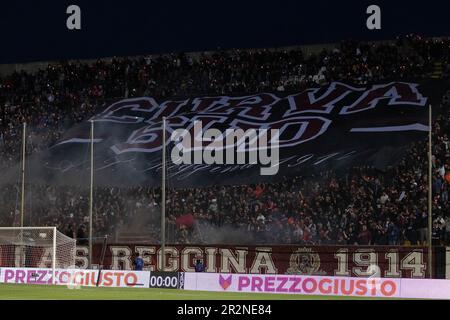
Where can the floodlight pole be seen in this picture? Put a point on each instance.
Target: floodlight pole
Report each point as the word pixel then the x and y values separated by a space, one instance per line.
pixel 430 196
pixel 163 197
pixel 91 195
pixel 22 200
pixel 22 195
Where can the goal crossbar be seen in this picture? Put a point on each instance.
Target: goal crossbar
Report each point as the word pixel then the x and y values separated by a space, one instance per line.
pixel 27 228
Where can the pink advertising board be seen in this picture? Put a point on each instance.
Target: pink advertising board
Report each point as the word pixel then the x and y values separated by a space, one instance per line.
pixel 83 277
pixel 293 284
pixel 319 285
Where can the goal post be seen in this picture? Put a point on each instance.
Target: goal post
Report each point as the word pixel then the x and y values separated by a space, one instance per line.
pixel 36 247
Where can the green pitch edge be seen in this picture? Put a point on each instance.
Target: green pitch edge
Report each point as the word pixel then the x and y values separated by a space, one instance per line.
pixel 41 292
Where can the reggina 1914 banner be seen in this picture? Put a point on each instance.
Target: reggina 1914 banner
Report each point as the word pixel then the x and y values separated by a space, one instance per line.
pixel 346 261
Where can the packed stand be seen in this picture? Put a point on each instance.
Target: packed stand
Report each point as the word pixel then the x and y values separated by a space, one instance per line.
pixel 385 208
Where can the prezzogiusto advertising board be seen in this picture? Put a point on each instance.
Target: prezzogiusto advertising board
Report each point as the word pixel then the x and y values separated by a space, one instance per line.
pixel 84 277
pixel 108 278
pixel 319 285
pixel 229 282
pixel 293 284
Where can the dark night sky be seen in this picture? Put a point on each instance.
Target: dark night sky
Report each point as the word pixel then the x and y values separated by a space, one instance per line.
pixel 36 30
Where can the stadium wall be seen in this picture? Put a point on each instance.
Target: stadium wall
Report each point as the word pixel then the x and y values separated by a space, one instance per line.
pixel 347 261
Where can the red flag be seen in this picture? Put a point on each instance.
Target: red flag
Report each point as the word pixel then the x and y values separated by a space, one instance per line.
pixel 258 191
pixel 187 220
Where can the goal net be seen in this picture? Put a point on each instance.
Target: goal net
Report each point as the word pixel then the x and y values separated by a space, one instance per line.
pixel 36 247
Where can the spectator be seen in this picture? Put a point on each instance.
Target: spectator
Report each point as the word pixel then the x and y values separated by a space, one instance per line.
pixel 199 267
pixel 81 235
pixel 364 237
pixel 138 262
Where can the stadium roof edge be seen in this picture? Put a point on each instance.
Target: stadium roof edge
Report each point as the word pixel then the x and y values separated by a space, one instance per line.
pixel 31 67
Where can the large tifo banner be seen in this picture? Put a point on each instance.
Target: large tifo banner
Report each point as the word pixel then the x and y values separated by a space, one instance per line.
pixel 347 261
pixel 329 127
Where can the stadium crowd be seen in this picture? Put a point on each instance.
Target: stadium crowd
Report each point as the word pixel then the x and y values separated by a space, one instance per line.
pixel 363 206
